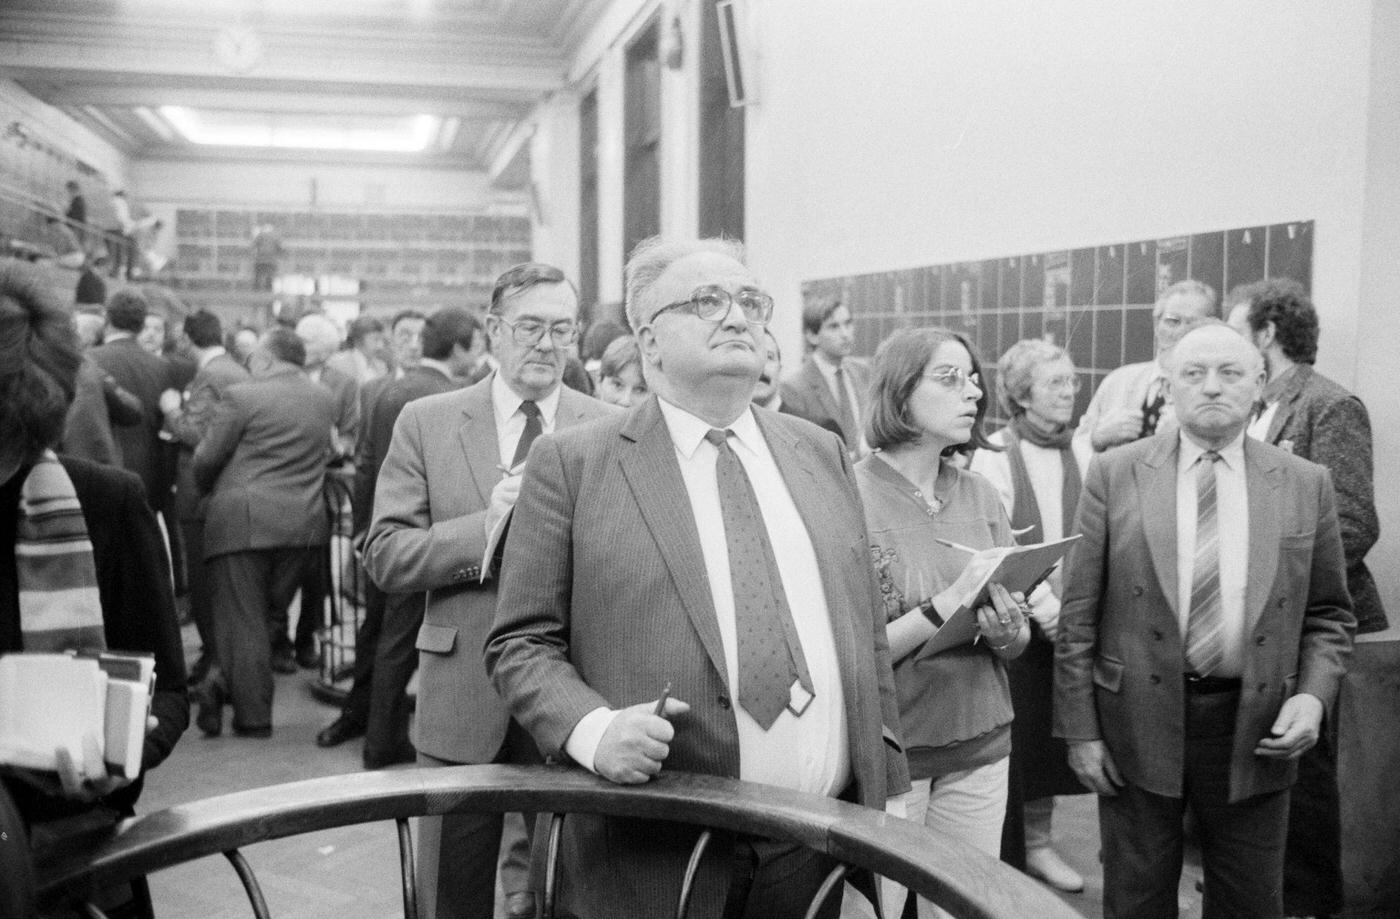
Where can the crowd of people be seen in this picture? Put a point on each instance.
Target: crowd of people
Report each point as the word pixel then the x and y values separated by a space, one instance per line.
pixel 551 537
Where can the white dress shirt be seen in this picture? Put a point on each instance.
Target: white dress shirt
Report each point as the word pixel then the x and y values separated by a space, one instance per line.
pixel 809 753
pixel 510 420
pixel 1232 526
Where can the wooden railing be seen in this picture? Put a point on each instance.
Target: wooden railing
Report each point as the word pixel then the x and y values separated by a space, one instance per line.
pixel 966 883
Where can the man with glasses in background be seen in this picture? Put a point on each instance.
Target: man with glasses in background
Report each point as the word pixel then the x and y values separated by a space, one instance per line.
pixel 1131 401
pixel 451 473
pixel 698 546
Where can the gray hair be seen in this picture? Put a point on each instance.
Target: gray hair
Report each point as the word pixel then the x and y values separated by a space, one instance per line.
pixel 649 261
pixel 314 327
pixel 1016 372
pixel 1190 287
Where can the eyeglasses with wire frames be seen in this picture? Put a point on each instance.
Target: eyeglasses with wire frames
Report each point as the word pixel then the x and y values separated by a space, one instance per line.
pixel 953 378
pixel 529 331
pixel 1068 383
pixel 712 304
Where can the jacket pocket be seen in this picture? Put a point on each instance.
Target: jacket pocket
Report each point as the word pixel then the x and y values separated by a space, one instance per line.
pixel 436 639
pixel 1108 673
pixel 1297 541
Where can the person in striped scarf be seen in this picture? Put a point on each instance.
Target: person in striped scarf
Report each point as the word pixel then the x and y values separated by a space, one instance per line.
pixel 82 564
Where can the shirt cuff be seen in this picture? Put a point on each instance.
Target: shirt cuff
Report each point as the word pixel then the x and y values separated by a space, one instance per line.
pixel 583 741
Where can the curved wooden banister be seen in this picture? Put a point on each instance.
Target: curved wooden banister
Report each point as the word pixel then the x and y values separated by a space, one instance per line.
pixel 962 881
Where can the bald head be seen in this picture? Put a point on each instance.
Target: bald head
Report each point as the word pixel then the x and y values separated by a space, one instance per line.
pixel 1216 378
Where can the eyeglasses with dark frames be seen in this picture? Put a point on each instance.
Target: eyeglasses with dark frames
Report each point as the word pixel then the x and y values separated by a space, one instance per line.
pixel 712 304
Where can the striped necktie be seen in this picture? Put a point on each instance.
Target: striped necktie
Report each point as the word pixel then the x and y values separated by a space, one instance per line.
pixel 1205 623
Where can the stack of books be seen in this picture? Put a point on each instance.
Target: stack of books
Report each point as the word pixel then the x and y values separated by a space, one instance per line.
pixel 53 701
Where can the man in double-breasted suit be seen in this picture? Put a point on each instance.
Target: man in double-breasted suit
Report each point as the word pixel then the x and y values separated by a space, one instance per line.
pixel 830 389
pixel 452 471
pixel 1314 417
pixel 1204 632
pixel 623 575
pixel 188 416
pixel 263 461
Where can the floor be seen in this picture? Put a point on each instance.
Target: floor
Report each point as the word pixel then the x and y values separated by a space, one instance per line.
pixel 352 873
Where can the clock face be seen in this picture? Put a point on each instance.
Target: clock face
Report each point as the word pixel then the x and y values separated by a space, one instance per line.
pixel 238 48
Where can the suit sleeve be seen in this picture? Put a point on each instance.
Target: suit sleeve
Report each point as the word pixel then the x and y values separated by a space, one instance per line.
pixel 217 446
pixel 1076 715
pixel 123 408
pixel 1341 441
pixel 1328 621
pixel 527 651
pixel 406 549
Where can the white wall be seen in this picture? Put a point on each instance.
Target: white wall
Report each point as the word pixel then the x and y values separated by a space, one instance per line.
pixel 915 132
pixel 330 186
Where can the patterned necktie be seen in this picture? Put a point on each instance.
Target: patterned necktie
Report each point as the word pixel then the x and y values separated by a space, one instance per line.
pixel 1205 624
pixel 1152 407
pixel 847 412
pixel 533 427
pixel 770 655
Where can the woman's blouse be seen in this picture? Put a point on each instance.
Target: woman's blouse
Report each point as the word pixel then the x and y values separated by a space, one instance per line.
pixel 954 706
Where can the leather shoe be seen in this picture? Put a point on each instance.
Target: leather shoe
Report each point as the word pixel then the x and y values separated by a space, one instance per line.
pixel 339 731
pixel 374 759
pixel 1045 864
pixel 210 715
pixel 283 662
pixel 520 905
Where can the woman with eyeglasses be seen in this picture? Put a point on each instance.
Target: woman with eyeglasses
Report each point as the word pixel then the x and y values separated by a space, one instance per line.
pixel 1037 474
pixel 924 514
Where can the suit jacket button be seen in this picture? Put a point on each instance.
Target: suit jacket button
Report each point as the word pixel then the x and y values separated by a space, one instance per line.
pixel 1263 686
pixel 1282 602
pixel 723 702
pixel 1259 640
pixel 1137 590
pixel 1157 634
pixel 1154 679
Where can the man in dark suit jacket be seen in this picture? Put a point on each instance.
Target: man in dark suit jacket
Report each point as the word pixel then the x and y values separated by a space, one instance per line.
pixel 614 585
pixel 1310 416
pixel 1205 629
pixel 385 656
pixel 830 390
pixel 263 461
pixel 188 416
pixel 143 375
pixel 452 471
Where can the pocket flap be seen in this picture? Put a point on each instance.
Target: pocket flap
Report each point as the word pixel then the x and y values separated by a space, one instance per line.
pixel 1108 673
pixel 436 639
pixel 890 739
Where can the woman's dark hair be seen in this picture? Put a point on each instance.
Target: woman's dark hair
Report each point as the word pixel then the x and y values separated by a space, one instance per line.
pixel 39 359
pixel 897 371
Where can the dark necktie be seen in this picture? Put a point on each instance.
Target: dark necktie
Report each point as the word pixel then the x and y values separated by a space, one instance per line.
pixel 1205 623
pixel 1152 407
pixel 770 654
pixel 848 414
pixel 533 427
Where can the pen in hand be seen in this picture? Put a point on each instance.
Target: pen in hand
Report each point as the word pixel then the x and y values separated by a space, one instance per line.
pixel 660 710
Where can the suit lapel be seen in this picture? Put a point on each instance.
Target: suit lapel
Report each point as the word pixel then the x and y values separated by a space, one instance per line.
pixel 478 438
pixel 1287 402
pixel 648 461
pixel 1262 485
pixel 1156 482
pixel 816 383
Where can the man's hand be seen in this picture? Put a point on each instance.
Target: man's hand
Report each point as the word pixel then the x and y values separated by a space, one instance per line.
pixel 503 498
pixel 1295 730
pixel 1119 426
pixel 637 742
pixel 1094 766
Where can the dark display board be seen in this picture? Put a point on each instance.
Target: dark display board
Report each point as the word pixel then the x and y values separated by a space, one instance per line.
pixel 1096 301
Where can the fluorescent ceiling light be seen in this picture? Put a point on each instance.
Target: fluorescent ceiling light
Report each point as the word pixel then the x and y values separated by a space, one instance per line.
pixel 385 134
